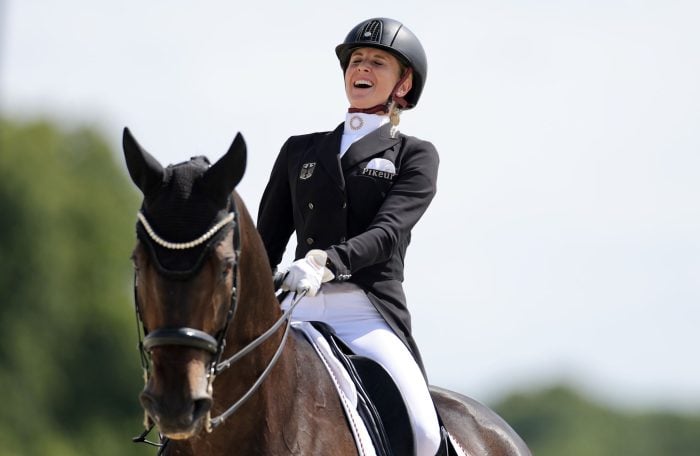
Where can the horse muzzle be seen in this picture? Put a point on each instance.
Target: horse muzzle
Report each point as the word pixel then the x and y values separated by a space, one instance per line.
pixel 177 397
pixel 176 419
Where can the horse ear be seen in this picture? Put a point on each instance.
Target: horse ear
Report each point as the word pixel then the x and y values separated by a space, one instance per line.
pixel 144 169
pixel 223 176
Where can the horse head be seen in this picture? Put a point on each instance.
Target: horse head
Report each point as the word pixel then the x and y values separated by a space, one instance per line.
pixel 185 272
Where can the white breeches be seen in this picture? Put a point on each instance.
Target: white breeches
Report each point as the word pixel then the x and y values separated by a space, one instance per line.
pixel 355 320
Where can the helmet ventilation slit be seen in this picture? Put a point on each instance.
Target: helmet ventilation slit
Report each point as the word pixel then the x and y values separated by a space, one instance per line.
pixel 372 31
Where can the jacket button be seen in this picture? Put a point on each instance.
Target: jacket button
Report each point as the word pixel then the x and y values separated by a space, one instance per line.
pixel 309 240
pixel 311 205
pixel 345 204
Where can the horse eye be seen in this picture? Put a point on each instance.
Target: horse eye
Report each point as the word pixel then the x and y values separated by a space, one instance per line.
pixel 139 259
pixel 228 266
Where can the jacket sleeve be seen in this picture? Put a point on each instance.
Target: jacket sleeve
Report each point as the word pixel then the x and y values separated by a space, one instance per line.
pixel 275 214
pixel 405 203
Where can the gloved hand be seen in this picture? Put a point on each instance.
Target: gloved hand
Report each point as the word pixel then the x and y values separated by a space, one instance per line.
pixel 308 273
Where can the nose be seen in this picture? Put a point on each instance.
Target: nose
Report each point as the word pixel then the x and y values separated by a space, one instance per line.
pixel 178 418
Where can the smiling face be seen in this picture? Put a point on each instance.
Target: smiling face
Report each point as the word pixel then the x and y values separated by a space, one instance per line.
pixel 370 77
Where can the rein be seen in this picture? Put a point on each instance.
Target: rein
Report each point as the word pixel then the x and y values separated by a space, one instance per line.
pixel 194 338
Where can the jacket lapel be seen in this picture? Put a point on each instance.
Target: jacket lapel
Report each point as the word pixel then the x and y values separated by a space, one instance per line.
pixel 375 142
pixel 327 153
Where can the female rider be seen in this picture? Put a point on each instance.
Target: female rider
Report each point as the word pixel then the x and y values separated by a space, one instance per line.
pixel 352 195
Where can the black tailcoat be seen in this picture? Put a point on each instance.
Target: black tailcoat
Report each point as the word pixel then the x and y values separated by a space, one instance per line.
pixel 361 217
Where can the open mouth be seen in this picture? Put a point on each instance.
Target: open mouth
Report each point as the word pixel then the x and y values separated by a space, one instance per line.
pixel 363 84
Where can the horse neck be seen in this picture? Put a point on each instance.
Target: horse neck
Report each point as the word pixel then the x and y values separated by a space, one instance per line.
pixel 257 310
pixel 283 410
pixel 257 307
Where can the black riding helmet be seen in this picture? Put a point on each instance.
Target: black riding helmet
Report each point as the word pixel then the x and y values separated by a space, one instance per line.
pixel 391 36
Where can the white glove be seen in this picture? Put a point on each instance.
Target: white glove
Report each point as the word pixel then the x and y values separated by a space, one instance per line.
pixel 308 273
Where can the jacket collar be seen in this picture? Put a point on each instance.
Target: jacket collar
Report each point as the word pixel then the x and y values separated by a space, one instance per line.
pixel 327 154
pixel 373 143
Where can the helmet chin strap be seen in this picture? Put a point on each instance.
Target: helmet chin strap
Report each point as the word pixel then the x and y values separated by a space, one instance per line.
pixel 373 110
pixel 400 101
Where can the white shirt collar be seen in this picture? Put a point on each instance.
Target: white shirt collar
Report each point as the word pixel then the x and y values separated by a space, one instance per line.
pixel 359 124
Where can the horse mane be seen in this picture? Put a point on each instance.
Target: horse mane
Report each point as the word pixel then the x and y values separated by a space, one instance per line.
pixel 254 263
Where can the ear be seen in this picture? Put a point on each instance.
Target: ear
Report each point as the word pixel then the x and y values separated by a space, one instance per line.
pixel 145 170
pixel 406 86
pixel 223 176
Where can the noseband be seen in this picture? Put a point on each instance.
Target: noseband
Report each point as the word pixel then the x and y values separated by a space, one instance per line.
pixel 201 340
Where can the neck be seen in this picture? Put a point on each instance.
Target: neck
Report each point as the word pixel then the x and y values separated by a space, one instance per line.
pixel 378 109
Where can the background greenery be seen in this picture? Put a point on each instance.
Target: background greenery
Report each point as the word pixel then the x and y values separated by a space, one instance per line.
pixel 69 368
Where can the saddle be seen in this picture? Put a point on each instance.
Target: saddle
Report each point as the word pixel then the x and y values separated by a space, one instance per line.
pixel 379 403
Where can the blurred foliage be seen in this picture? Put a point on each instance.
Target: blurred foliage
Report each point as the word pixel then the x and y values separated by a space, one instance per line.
pixel 558 421
pixel 69 368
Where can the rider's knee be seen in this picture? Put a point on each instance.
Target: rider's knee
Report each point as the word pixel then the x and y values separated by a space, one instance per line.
pixel 427 438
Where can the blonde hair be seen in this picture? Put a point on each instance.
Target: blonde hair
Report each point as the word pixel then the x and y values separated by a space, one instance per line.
pixel 394 117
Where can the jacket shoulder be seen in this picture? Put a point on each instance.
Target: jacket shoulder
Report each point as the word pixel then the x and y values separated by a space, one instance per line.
pixel 416 143
pixel 307 138
pixel 419 149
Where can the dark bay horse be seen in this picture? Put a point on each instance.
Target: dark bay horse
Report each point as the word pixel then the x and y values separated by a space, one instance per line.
pixel 205 299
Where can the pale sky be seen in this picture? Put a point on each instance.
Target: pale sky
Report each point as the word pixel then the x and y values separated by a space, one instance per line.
pixel 564 241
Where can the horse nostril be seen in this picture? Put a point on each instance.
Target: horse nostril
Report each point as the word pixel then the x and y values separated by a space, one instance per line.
pixel 201 408
pixel 147 401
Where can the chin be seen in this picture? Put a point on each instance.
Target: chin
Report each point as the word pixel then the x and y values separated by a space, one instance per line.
pixel 179 435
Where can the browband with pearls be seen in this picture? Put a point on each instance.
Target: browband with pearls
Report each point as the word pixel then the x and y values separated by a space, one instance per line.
pixel 184 245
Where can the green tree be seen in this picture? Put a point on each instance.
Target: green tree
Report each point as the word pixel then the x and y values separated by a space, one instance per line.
pixel 69 369
pixel 558 421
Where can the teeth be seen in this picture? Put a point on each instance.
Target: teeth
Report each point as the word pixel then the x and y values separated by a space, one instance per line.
pixel 363 83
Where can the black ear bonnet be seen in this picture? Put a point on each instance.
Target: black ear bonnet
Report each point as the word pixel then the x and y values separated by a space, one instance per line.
pixel 181 211
pixel 184 203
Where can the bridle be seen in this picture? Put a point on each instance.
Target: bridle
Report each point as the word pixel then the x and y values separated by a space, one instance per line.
pixel 201 340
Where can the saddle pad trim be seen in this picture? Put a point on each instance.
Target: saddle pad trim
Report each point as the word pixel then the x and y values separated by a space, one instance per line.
pixel 344 386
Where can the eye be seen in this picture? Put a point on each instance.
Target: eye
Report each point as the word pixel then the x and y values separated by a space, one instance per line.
pixel 136 262
pixel 227 267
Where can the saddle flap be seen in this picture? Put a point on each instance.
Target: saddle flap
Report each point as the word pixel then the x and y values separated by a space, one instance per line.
pixel 387 400
pixel 379 401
